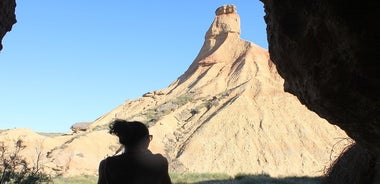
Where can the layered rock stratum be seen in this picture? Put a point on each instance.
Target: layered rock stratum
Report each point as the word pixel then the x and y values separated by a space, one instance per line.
pixel 228 113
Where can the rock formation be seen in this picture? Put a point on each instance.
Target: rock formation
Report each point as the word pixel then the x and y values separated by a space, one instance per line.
pixel 80 126
pixel 7 17
pixel 225 9
pixel 228 113
pixel 327 51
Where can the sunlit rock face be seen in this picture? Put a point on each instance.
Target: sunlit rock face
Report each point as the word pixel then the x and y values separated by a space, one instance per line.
pixel 328 52
pixel 237 119
pixel 228 113
pixel 7 17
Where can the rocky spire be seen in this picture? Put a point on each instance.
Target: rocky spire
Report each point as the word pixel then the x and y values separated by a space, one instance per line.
pixel 222 40
pixel 227 114
pixel 226 21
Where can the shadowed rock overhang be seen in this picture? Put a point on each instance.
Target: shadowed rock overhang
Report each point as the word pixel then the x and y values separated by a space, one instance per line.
pixel 328 51
pixel 7 17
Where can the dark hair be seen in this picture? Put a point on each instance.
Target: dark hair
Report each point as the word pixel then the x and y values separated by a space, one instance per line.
pixel 130 133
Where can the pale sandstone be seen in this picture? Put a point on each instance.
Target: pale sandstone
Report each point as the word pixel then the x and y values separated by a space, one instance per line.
pixel 228 113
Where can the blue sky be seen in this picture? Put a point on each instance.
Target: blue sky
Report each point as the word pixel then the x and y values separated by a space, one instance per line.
pixel 68 61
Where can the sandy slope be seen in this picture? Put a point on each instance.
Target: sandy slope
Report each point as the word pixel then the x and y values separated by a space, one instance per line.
pixel 227 113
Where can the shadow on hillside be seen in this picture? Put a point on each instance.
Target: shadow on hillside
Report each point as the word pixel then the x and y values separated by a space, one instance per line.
pixel 266 179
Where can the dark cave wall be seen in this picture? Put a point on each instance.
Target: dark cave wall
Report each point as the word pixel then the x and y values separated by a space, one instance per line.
pixel 328 52
pixel 7 17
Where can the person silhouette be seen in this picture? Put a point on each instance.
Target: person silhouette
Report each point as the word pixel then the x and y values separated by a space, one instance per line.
pixel 137 164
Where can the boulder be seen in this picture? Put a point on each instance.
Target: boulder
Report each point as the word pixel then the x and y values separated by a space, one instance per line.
pixel 80 126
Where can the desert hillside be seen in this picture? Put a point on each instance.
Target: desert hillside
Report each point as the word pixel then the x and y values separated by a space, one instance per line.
pixel 228 113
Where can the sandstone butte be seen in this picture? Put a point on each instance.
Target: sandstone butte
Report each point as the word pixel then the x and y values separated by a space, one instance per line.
pixel 228 113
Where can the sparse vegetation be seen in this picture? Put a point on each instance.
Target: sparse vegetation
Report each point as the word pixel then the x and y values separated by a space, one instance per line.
pixel 265 178
pixel 79 179
pixel 198 177
pixel 195 111
pixel 14 168
pixel 211 103
pixel 210 178
pixel 150 115
pixel 50 134
pixel 154 114
pixel 100 127
pixel 182 100
pixel 206 104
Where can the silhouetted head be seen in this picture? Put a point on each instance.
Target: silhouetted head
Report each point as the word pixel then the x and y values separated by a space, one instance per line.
pixel 132 134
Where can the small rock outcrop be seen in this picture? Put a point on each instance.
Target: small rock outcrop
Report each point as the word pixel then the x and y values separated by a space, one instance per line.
pixel 226 9
pixel 7 17
pixel 80 126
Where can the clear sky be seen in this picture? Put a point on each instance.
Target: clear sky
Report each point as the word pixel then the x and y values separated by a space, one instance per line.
pixel 68 61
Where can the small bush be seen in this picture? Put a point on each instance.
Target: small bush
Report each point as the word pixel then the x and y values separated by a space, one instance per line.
pixel 14 168
pixel 194 111
pixel 79 179
pixel 267 179
pixel 197 177
pixel 150 114
pixel 182 100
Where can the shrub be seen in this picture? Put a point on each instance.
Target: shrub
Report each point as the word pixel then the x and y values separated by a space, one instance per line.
pixel 182 100
pixel 76 179
pixel 14 168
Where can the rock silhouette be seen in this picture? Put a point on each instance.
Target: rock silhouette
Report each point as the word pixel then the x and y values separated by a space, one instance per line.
pixel 328 54
pixel 327 51
pixel 7 17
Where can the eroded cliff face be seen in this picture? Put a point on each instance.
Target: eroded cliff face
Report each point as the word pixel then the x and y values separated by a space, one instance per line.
pixel 7 17
pixel 327 52
pixel 228 113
